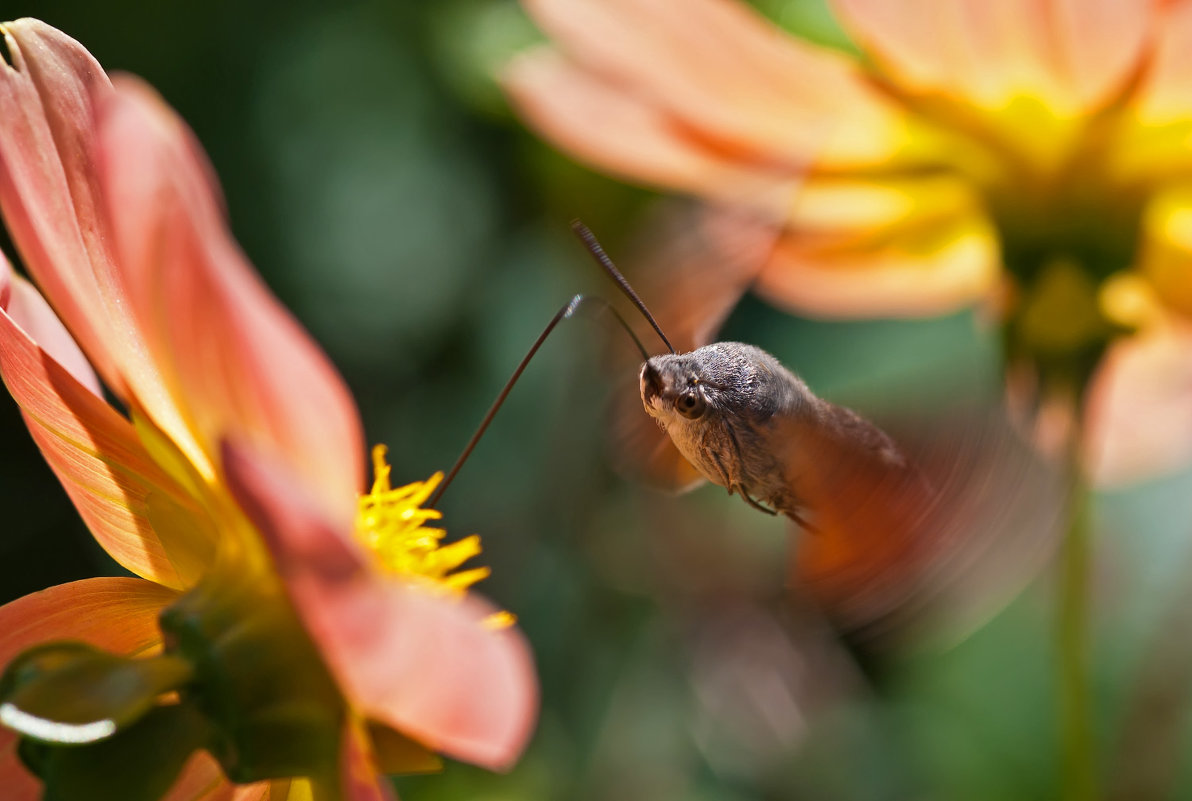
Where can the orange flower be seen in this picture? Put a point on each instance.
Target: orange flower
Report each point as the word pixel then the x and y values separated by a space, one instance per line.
pixel 232 485
pixel 1039 147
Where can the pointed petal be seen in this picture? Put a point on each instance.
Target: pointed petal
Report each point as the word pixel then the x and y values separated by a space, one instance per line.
pixel 1072 55
pixel 361 781
pixel 897 248
pixel 118 489
pixel 601 124
pixel 1140 407
pixel 115 614
pixel 29 311
pixel 203 780
pixel 729 76
pixel 423 664
pixel 47 191
pixel 52 205
pixel 237 362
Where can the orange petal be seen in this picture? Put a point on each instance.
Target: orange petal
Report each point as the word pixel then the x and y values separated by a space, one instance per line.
pixel 116 614
pixel 202 780
pixel 599 123
pixel 1072 55
pixel 39 323
pixel 1139 419
pixel 898 248
pixel 238 363
pixel 423 664
pixel 116 486
pixel 51 202
pixel 729 76
pixel 359 776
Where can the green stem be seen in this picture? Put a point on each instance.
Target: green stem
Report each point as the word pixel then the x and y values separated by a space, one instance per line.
pixel 1079 765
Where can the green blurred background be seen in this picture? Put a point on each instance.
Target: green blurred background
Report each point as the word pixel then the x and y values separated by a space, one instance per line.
pixel 376 178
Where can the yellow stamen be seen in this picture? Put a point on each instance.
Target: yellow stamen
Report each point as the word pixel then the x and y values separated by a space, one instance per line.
pixel 391 523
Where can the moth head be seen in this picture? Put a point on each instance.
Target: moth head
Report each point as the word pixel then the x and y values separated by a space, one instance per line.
pixel 726 380
pixel 672 386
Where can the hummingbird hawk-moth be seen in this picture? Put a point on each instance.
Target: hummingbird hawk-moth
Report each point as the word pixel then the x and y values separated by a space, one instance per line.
pixel 944 518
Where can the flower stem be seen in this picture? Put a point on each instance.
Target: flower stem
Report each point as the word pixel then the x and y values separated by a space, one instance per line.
pixel 1078 754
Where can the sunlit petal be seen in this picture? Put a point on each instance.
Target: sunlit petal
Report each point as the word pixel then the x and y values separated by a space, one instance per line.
pixel 52 206
pixel 730 77
pixel 239 364
pixel 28 309
pixel 419 661
pixel 905 248
pixel 1072 55
pixel 118 614
pixel 603 125
pixel 95 452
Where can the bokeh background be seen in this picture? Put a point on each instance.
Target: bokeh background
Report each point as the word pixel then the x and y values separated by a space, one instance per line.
pixel 375 176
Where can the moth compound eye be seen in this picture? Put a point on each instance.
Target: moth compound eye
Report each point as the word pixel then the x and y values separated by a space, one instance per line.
pixel 691 404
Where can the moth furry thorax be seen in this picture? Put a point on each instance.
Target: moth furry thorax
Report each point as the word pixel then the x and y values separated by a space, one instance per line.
pixel 749 424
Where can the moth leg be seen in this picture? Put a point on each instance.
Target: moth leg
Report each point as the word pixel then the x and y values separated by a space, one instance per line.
pixel 725 479
pixel 803 523
pixel 749 500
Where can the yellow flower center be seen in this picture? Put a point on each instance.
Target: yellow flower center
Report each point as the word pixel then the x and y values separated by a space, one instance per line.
pixel 391 523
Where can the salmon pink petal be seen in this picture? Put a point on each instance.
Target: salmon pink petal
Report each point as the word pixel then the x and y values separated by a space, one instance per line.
pixel 237 362
pixel 1139 420
pixel 121 493
pixel 47 191
pixel 730 78
pixel 29 310
pixel 600 124
pixel 1073 55
pixel 53 207
pixel 422 663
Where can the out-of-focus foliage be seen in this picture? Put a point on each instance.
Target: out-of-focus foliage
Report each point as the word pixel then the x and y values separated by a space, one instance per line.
pixel 377 180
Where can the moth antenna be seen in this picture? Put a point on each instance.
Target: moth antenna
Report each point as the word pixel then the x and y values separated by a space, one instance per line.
pixel 589 239
pixel 569 310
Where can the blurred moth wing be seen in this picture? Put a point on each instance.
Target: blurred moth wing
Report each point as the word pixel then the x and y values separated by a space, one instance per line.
pixel 696 265
pixel 952 517
pixel 934 558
